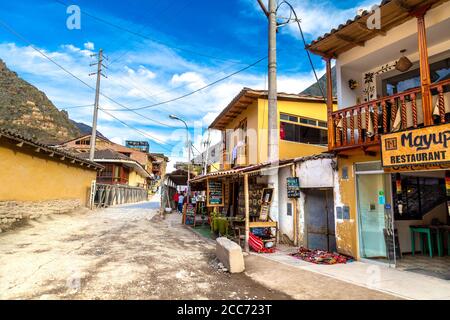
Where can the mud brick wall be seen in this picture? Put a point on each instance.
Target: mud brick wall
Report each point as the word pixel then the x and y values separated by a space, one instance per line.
pixel 12 212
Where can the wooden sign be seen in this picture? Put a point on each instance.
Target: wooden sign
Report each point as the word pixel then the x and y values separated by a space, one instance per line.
pixel 189 214
pixel 293 187
pixel 426 146
pixel 264 213
pixel 267 195
pixel 214 193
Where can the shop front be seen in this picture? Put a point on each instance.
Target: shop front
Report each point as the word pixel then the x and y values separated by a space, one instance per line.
pixel 403 202
pixel 237 203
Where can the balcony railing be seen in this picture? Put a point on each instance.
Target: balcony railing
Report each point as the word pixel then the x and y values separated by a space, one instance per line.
pixel 362 125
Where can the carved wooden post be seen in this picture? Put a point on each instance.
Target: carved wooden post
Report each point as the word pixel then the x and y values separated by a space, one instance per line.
pixel 375 121
pixel 414 109
pixel 425 78
pixel 360 137
pixel 344 128
pixel 441 104
pixel 330 122
pixel 383 109
pixel 352 126
pixel 403 113
pixel 367 122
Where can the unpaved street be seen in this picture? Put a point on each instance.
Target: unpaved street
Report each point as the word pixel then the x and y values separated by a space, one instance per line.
pixel 130 252
pixel 125 252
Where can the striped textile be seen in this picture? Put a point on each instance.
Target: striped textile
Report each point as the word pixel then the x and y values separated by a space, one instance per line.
pixel 258 245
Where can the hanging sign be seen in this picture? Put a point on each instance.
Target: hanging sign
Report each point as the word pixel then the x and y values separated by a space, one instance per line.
pixel 293 187
pixel 214 193
pixel 418 147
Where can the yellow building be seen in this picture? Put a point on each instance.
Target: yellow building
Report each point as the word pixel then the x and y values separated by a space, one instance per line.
pixel 38 179
pixel 393 89
pixel 244 122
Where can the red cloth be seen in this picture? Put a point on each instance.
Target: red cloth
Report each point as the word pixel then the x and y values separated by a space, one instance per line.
pixel 175 197
pixel 258 245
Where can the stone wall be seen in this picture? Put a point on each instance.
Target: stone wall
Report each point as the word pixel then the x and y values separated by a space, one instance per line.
pixel 12 212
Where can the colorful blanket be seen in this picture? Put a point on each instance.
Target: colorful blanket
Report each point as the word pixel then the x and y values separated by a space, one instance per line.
pixel 257 244
pixel 320 256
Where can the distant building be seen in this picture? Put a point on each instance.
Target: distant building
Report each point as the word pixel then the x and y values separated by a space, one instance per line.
pixel 119 169
pixel 159 164
pixel 142 146
pixel 82 145
pixel 212 156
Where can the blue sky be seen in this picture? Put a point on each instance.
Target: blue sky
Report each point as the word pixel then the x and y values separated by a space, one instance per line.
pixel 187 44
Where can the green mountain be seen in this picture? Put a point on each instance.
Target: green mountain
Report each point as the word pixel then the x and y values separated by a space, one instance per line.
pixel 27 111
pixel 315 89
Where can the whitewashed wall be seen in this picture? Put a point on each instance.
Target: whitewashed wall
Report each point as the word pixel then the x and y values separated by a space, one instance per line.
pixel 315 173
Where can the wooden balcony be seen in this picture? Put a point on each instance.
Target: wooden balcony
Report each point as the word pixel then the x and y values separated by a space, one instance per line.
pixel 362 125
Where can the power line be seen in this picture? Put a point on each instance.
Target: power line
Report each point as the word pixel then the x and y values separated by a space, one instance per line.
pixel 149 38
pixel 304 42
pixel 76 107
pixel 161 144
pixel 195 91
pixel 76 77
pixel 187 2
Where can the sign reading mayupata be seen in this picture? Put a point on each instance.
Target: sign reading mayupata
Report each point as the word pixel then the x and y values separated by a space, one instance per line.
pixel 429 145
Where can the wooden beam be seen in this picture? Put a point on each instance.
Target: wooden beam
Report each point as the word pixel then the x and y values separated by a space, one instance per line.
pixel 425 78
pixel 349 40
pixel 330 123
pixel 402 6
pixel 247 213
pixel 363 26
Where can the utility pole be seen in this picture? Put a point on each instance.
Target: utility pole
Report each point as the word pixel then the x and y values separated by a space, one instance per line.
pixel 97 94
pixel 207 142
pixel 272 95
pixel 273 135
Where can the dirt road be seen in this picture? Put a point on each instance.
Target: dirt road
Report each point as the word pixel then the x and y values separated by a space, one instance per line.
pixel 125 252
pixel 129 252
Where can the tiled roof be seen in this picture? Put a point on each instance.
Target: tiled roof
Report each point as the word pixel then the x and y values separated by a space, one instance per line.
pixel 47 150
pixel 107 154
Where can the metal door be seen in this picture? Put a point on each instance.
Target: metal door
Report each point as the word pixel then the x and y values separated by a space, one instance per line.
pixel 319 214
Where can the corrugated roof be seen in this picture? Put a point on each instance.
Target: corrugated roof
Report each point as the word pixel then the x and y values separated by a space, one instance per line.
pixel 256 167
pixel 49 151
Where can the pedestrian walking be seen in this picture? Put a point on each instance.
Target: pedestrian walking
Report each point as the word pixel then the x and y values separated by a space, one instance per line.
pixel 180 203
pixel 175 199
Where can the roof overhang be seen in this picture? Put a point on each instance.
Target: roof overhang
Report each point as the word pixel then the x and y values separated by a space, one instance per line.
pixel 130 164
pixel 246 97
pixel 355 31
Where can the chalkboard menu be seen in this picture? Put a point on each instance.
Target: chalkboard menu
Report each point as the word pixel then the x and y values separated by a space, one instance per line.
pixel 215 193
pixel 293 187
pixel 189 214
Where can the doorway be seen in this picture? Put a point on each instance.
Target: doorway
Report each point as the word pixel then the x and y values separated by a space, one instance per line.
pixel 320 227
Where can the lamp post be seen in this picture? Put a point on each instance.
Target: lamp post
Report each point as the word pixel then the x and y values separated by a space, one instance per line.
pixel 189 154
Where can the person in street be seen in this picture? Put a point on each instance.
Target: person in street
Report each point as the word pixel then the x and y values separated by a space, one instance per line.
pixel 180 203
pixel 175 199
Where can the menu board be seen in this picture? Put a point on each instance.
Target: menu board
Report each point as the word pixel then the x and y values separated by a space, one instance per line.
pixel 293 187
pixel 214 193
pixel 189 214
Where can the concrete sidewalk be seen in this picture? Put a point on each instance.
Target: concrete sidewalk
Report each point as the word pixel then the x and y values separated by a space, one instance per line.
pixel 404 284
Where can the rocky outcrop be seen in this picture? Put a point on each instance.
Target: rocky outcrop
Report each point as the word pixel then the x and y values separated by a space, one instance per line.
pixel 27 111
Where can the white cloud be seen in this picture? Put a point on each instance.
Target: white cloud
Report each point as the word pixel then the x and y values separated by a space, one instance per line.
pixel 89 46
pixel 192 79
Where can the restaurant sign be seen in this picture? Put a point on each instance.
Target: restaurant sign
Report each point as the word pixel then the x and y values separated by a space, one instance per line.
pixel 419 147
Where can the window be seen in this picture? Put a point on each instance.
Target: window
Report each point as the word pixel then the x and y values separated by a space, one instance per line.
pixel 308 131
pixel 419 196
pixel 304 134
pixel 439 71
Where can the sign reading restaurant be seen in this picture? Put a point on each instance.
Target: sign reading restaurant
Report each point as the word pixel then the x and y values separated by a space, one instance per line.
pixel 425 146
